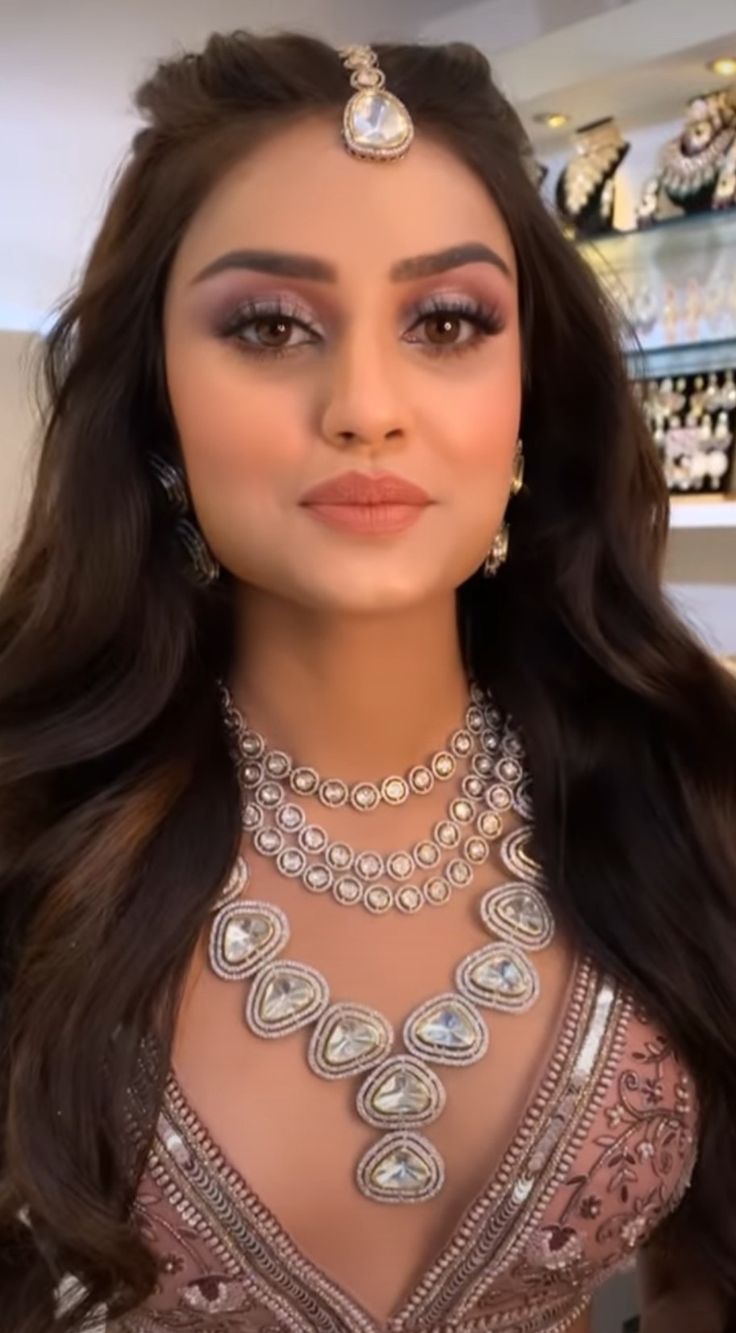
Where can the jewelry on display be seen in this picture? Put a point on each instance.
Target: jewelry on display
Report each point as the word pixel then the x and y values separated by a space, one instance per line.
pixel 696 456
pixel 585 189
pixel 725 191
pixel 400 1092
pixel 693 161
pixel 376 124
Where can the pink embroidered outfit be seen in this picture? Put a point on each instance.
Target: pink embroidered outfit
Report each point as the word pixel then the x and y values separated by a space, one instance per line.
pixel 603 1153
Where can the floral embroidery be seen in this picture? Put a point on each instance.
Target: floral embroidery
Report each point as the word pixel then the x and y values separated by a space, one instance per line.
pixel 643 1166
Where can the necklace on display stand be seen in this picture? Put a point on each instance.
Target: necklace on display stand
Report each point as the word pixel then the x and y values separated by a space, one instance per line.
pixel 692 163
pixel 400 1092
pixel 586 187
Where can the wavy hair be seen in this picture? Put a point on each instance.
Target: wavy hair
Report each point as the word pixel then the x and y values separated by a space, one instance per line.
pixel 119 812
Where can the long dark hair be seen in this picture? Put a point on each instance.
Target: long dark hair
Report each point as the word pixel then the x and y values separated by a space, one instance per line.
pixel 119 811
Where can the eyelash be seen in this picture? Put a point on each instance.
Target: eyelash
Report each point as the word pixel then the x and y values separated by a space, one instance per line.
pixel 487 321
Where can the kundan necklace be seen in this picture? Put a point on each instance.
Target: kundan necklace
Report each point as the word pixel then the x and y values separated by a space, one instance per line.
pixel 492 784
pixel 400 1092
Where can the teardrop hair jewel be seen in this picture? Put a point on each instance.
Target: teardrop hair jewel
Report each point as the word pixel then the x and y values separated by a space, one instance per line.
pixel 500 546
pixel 376 125
pixel 201 564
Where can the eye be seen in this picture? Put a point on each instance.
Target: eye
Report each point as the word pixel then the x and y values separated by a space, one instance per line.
pixel 267 328
pixel 444 319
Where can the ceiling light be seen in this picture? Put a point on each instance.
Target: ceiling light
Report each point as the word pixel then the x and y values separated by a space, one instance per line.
pixel 725 66
pixel 554 120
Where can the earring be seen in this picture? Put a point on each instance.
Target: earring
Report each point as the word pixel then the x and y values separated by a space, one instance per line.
pixel 498 552
pixel 517 481
pixel 202 565
pixel 500 547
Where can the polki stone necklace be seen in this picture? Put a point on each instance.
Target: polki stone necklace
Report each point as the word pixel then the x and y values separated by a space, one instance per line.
pixel 400 1092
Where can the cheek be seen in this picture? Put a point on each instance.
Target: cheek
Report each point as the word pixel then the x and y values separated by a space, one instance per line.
pixel 479 424
pixel 236 449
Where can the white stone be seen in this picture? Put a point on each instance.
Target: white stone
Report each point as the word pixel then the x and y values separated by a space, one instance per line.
pixel 377 121
pixel 243 936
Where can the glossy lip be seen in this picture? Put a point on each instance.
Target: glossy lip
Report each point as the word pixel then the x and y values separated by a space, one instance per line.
pixel 360 489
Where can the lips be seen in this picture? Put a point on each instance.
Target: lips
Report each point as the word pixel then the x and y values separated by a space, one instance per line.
pixel 357 488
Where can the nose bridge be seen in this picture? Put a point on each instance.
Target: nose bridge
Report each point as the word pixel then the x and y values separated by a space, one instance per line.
pixel 365 395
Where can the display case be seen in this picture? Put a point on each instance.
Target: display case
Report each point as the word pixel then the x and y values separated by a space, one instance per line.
pixel 675 284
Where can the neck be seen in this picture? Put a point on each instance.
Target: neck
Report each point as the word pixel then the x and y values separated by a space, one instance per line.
pixel 354 696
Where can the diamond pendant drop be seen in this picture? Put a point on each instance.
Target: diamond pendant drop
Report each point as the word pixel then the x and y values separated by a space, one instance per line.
pixel 518 913
pixel 244 936
pixel 448 1030
pixel 499 976
pixel 348 1039
pixel 401 1168
pixel 401 1092
pixel 285 997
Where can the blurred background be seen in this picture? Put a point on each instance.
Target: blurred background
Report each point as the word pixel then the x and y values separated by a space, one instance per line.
pixel 631 109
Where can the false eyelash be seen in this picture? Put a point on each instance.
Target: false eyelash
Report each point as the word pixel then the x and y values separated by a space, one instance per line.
pixel 487 320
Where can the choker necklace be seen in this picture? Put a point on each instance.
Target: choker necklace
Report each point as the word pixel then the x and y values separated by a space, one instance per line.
pixel 400 1092
pixel 279 828
pixel 262 763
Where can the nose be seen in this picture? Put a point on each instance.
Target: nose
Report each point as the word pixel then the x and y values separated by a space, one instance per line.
pixel 365 403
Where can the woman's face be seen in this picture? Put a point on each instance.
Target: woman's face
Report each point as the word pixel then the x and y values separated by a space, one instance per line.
pixel 327 315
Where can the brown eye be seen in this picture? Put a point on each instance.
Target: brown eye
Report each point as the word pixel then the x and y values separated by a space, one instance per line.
pixel 442 329
pixel 272 331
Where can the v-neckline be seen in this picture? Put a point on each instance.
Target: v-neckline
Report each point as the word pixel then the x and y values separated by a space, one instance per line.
pixel 584 975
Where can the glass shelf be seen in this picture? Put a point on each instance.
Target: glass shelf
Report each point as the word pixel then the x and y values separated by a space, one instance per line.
pixel 675 235
pixel 684 359
pixel 675 283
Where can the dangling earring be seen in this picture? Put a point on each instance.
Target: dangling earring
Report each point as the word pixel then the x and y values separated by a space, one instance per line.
pixel 500 547
pixel 517 481
pixel 202 565
pixel 498 552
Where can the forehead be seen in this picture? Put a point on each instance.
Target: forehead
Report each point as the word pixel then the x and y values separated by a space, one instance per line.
pixel 299 189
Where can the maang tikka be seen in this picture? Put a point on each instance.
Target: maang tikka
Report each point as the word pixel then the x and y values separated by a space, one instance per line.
pixel 201 563
pixel 376 124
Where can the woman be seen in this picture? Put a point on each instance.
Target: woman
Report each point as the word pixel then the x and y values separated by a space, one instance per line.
pixel 339 598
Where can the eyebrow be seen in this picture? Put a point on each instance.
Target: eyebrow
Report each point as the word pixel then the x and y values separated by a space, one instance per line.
pixel 288 265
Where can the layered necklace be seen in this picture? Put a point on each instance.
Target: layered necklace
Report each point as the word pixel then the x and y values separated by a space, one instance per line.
pixel 400 1092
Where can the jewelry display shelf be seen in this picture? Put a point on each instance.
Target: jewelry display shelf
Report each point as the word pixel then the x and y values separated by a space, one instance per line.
pixel 703 511
pixel 675 282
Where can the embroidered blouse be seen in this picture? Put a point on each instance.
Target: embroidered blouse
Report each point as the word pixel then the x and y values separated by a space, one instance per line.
pixel 602 1154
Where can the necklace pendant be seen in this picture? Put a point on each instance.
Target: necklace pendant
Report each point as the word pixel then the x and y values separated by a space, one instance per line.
pixel 349 1039
pixel 518 913
pixel 402 1092
pixel 498 976
pixel 401 1168
pixel 448 1030
pixel 285 997
pixel 244 936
